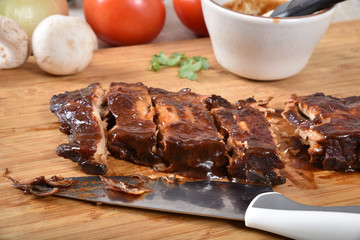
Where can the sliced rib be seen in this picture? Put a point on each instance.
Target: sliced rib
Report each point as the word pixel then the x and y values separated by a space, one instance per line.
pixel 331 128
pixel 189 142
pixel 133 137
pixel 253 152
pixel 79 114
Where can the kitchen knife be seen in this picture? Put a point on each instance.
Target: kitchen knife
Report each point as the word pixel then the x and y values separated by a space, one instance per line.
pixel 258 206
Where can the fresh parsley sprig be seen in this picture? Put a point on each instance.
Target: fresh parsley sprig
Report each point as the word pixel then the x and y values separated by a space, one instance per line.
pixel 188 65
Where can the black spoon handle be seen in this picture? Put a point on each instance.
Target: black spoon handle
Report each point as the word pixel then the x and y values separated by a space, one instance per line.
pixel 302 7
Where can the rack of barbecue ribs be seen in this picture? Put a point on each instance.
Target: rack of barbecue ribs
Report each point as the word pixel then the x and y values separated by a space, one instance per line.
pixel 331 128
pixel 79 113
pixel 133 136
pixel 189 142
pixel 253 149
pixel 180 132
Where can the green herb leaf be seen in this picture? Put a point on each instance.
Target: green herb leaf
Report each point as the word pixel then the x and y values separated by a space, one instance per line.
pixel 174 61
pixel 161 58
pixel 188 65
pixel 188 74
pixel 176 54
pixel 205 64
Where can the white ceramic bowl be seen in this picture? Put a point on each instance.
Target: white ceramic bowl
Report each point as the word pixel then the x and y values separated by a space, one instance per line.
pixel 262 48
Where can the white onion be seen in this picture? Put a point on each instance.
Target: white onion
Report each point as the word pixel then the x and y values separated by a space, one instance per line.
pixel 29 13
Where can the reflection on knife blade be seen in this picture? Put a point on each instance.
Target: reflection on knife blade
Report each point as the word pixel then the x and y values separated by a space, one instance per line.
pixel 209 198
pixel 206 198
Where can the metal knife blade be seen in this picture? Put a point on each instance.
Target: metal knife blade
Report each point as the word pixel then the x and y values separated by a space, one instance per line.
pixel 258 206
pixel 205 198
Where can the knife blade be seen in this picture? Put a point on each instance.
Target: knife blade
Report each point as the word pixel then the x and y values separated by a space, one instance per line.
pixel 258 206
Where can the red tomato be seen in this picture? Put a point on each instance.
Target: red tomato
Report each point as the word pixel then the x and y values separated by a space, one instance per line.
pixel 190 14
pixel 125 22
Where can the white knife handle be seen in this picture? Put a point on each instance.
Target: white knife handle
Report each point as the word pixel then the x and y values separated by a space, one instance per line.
pixel 274 213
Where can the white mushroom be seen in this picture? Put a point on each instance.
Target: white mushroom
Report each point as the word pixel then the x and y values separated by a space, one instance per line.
pixel 63 45
pixel 14 44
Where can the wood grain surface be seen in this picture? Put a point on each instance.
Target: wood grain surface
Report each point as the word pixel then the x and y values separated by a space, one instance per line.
pixel 29 136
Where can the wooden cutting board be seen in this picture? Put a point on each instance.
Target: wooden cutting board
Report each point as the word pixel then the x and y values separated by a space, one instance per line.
pixel 29 136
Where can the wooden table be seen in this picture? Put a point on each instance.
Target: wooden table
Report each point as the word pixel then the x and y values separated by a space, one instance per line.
pixel 29 136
